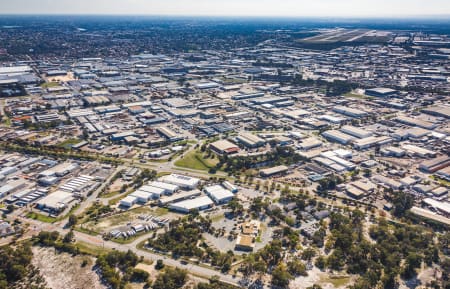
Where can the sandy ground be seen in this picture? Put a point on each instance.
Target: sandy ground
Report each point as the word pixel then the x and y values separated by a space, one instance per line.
pixel 63 271
pixel 315 276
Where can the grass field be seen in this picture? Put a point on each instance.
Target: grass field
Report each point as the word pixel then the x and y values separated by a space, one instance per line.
pixel 196 160
pixel 338 281
pixel 91 249
pixel 67 144
pixel 41 217
pixel 442 182
pixel 49 84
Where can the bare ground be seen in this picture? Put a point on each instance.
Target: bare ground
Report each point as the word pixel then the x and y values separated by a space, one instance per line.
pixel 64 271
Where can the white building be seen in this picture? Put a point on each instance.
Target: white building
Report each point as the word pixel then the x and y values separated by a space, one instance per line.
pixel 199 203
pixel 168 188
pixel 128 201
pixel 219 194
pixel 181 181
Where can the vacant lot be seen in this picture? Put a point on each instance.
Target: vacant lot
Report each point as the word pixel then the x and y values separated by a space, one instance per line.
pixel 196 160
pixel 65 271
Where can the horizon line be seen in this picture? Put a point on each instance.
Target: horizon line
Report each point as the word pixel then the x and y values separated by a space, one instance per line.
pixel 352 17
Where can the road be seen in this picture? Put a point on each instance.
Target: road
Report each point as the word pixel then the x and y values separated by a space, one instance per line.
pixel 91 199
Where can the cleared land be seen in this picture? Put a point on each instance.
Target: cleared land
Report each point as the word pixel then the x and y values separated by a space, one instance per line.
pixel 66 271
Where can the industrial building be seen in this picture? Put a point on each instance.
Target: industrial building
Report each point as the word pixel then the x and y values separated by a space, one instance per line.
pixel 219 194
pixel 355 131
pixel 186 206
pixel 250 140
pixel 223 147
pixel 181 181
pixel 371 141
pixel 168 188
pixel 381 92
pixel 55 202
pixel 337 136
pixel 169 134
pixel 435 164
pixel 273 171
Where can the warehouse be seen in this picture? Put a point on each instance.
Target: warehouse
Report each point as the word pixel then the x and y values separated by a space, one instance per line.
pixel 392 151
pixel 230 186
pixel 337 136
pixel 169 134
pixel 224 147
pixel 358 189
pixel 183 195
pixel 371 141
pixel 199 203
pixel 219 194
pixel 168 188
pixel 444 173
pixel 340 161
pixel 250 140
pixel 443 207
pixel 55 202
pixel 381 92
pixel 181 181
pixel 439 111
pixel 128 201
pixel 154 191
pixel 247 96
pixel 435 164
pixel 349 111
pixel 309 143
pixel 418 151
pixel 273 171
pixel 177 102
pixel 430 215
pixel 416 122
pixel 12 187
pixel 355 131
pixel 122 135
pixel 142 196
pixel 388 182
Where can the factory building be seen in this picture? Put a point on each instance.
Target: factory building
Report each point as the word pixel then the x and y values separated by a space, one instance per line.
pixel 168 188
pixel 273 171
pixel 355 131
pixel 435 164
pixel 224 147
pixel 55 202
pixel 349 111
pixel 186 206
pixel 219 194
pixel 250 140
pixel 169 134
pixel 337 136
pixel 181 181
pixel 381 92
pixel 371 141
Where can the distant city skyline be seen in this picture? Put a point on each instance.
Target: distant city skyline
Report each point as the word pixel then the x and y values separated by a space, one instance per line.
pixel 274 8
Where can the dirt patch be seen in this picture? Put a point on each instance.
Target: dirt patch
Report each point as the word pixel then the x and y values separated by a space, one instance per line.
pixel 63 271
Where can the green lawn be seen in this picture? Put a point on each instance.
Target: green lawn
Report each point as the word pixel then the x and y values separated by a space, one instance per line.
pixel 442 182
pixel 68 143
pixel 90 249
pixel 41 217
pixel 50 84
pixel 196 160
pixel 161 174
pixel 337 281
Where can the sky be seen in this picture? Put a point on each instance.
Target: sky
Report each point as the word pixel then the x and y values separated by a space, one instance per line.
pixel 275 8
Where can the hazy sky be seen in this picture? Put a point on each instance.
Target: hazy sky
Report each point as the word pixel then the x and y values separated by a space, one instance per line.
pixel 358 8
